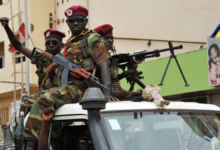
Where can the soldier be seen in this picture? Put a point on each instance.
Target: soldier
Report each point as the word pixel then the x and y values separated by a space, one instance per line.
pixel 46 80
pixel 85 48
pixel 106 31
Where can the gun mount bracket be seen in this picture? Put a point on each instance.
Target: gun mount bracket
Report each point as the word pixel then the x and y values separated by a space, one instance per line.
pixel 157 53
pixel 173 56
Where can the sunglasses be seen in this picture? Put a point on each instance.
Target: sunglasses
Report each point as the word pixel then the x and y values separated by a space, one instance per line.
pixel 53 43
pixel 80 20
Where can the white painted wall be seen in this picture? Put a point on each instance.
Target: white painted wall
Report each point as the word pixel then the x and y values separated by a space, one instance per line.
pixel 38 15
pixel 179 20
pixel 6 74
pixel 182 20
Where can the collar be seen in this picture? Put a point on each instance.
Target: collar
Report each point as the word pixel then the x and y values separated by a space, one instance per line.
pixel 84 32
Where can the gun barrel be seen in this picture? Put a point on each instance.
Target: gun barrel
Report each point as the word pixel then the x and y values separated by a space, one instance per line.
pixel 167 49
pixel 157 51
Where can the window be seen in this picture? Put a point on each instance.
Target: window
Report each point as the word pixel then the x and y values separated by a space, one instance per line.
pixel 2 61
pixel 77 133
pixel 4 114
pixel 181 130
pixel 2 55
pixel 18 60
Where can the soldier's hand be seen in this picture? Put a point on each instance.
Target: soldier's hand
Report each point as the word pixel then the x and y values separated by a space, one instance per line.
pixel 48 114
pixel 4 21
pixel 111 99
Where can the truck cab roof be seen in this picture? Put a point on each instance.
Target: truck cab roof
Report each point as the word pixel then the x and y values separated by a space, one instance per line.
pixel 75 111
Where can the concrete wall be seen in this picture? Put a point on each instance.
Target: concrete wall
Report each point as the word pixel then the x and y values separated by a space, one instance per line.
pixel 171 20
pixel 163 20
pixel 38 15
pixel 40 11
pixel 6 74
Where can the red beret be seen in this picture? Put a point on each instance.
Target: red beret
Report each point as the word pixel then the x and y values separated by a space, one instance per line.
pixel 104 29
pixel 54 33
pixel 76 10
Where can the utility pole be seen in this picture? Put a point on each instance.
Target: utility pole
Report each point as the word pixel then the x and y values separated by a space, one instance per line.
pixel 14 58
pixel 26 45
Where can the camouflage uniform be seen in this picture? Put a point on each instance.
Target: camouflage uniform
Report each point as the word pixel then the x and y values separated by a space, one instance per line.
pixel 72 93
pixel 50 81
pixel 45 85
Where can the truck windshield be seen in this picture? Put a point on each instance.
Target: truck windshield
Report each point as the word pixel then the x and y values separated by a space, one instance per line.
pixel 162 130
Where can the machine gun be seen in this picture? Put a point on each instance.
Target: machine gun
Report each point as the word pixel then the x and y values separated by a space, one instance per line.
pixel 68 67
pixel 131 61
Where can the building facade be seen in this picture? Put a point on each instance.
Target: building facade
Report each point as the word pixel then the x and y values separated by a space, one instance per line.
pixel 138 25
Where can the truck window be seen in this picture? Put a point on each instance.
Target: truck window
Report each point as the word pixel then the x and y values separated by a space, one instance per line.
pixel 69 135
pixel 162 130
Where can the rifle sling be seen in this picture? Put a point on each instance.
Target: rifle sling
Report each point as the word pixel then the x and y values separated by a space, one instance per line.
pixel 93 75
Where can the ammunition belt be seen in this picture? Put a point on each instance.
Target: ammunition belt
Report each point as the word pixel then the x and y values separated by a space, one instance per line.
pixel 114 76
pixel 116 89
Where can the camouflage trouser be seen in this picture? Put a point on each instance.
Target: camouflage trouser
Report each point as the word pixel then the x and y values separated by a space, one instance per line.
pixel 27 104
pixel 55 98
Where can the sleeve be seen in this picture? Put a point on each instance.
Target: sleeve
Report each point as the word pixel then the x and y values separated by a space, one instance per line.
pixel 98 48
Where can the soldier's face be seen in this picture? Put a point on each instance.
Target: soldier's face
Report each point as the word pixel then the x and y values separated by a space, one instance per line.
pixel 110 40
pixel 53 45
pixel 76 24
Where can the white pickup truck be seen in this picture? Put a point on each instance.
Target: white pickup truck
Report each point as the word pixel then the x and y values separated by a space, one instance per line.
pixel 128 125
